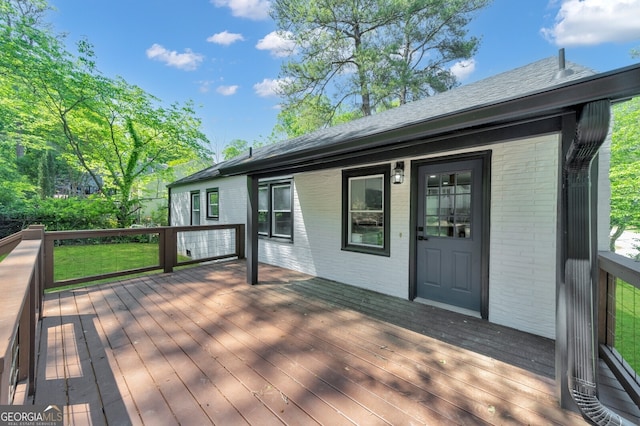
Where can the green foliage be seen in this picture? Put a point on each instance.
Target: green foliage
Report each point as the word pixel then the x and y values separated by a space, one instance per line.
pixel 310 114
pixel 114 133
pixel 15 188
pixel 627 327
pixel 235 148
pixel 372 54
pixel 60 214
pixel 625 168
pixel 47 175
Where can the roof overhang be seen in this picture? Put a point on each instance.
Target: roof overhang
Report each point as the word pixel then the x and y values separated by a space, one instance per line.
pixel 538 107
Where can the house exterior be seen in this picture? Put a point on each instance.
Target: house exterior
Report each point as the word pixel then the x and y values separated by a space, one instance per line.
pixel 490 199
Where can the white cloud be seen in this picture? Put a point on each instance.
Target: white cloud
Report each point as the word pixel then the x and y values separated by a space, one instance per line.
pixel 269 87
pixel 257 10
pixel 187 61
pixel 227 90
pixel 463 69
pixel 592 22
pixel 279 43
pixel 225 38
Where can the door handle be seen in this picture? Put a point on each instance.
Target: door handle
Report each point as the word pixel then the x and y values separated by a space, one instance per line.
pixel 420 237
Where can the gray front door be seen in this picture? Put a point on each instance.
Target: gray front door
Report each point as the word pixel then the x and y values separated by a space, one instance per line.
pixel 449 220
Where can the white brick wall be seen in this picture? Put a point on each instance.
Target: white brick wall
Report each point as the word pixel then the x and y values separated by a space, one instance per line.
pixel 317 237
pixel 523 235
pixel 522 267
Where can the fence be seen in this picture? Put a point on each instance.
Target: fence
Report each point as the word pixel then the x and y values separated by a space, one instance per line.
pixel 29 268
pixel 619 319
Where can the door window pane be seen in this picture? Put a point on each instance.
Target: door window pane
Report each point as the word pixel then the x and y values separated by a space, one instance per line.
pixel 448 205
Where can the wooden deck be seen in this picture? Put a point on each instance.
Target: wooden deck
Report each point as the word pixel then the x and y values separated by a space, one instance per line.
pixel 199 346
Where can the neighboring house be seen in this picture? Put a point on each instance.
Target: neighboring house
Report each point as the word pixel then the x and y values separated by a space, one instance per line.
pixel 490 211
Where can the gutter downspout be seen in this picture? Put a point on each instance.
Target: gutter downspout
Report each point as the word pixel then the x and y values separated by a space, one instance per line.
pixel 591 131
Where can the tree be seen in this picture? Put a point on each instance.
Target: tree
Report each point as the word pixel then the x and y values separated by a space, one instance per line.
pixel 235 148
pixel 309 114
pixel 47 175
pixel 114 132
pixel 372 52
pixel 625 169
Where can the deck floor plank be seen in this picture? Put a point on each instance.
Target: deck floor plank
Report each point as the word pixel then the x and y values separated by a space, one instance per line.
pixel 451 372
pixel 173 327
pixel 200 346
pixel 214 330
pixel 271 362
pixel 442 377
pixel 150 403
pixel 322 360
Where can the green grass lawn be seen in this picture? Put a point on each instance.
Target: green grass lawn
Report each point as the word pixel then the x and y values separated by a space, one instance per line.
pixel 77 261
pixel 627 340
pixel 88 260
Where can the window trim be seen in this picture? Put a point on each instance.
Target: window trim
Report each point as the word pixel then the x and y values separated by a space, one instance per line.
pixel 192 210
pixel 270 185
pixel 364 172
pixel 209 214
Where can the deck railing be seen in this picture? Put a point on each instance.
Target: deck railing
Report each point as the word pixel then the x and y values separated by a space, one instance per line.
pixel 173 246
pixel 619 319
pixel 21 279
pixel 9 243
pixel 29 268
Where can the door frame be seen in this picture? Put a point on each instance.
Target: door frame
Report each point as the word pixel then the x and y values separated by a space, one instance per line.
pixel 485 201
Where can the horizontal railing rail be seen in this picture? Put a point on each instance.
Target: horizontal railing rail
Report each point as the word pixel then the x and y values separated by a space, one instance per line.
pixel 9 243
pixel 619 319
pixel 169 240
pixel 21 278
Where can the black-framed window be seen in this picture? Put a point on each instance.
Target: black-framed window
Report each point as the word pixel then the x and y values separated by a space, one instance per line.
pixel 275 210
pixel 195 208
pixel 213 203
pixel 365 209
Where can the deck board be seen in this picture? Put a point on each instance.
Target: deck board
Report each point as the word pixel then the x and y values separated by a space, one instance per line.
pixel 200 346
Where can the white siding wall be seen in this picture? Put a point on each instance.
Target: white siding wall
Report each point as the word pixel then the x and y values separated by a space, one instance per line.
pixel 232 210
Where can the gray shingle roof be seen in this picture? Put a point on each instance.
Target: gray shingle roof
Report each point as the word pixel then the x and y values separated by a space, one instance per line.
pixel 531 78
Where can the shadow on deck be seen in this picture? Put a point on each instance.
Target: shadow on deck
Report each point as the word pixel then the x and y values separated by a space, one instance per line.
pixel 199 346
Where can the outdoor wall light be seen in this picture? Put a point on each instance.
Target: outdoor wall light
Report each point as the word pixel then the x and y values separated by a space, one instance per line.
pixel 398 173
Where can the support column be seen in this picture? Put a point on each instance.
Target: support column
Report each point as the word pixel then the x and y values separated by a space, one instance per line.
pixel 252 230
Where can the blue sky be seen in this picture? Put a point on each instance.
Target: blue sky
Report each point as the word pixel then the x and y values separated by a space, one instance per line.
pixel 224 55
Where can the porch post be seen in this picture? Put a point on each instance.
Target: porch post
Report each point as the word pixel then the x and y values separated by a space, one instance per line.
pixel 252 230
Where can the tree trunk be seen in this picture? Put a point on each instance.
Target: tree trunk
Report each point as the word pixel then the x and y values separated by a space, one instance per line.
pixel 616 234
